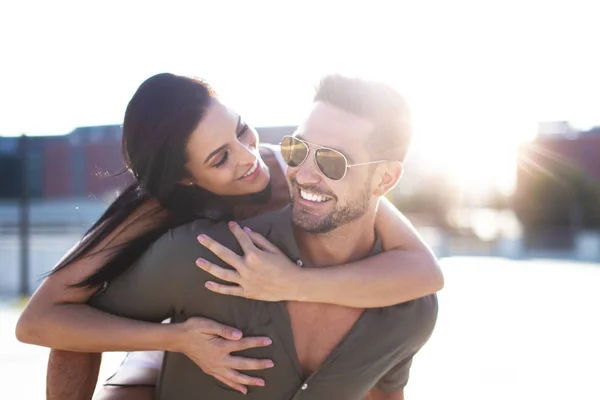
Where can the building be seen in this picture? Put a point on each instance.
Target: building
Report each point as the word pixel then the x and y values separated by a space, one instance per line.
pixel 84 163
pixel 567 147
pixel 558 186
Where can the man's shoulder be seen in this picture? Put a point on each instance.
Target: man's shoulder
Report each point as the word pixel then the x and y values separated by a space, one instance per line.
pixel 185 235
pixel 417 318
pixel 424 309
pixel 270 222
pixel 182 241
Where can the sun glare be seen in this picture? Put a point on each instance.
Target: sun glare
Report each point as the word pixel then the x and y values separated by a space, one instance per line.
pixel 478 161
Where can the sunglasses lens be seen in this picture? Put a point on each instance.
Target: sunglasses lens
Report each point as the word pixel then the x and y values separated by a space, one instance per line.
pixel 294 152
pixel 331 163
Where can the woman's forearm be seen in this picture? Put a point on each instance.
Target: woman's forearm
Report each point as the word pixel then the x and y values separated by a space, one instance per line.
pixel 392 277
pixel 405 271
pixel 79 327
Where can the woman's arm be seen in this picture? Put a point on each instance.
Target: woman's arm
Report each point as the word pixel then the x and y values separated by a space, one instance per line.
pixel 57 316
pixel 405 271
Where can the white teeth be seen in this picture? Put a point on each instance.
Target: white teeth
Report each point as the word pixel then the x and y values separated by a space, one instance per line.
pixel 251 170
pixel 312 197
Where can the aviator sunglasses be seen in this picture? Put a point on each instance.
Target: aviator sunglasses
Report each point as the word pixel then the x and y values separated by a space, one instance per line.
pixel 331 163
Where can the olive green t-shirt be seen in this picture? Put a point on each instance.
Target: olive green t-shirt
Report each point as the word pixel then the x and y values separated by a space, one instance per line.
pixel 166 283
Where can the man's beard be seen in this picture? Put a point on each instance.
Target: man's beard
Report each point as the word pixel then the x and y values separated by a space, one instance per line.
pixel 340 215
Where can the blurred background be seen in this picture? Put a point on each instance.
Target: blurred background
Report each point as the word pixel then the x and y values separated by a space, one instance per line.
pixel 502 180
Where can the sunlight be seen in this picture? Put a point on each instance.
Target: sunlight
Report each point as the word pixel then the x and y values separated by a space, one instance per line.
pixel 474 154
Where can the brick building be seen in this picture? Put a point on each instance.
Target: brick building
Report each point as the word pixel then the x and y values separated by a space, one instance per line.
pixel 83 163
pixel 558 186
pixel 573 148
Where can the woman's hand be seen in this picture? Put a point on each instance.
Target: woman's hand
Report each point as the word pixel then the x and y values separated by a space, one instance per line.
pixel 210 344
pixel 262 273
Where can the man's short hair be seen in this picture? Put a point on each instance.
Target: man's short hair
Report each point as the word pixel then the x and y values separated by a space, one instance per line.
pixel 376 102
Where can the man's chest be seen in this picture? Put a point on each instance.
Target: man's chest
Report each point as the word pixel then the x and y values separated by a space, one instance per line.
pixel 321 352
pixel 318 329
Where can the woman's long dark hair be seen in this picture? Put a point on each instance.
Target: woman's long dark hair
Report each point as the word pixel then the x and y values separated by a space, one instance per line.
pixel 159 120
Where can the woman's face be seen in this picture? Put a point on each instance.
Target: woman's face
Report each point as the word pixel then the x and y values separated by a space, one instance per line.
pixel 223 155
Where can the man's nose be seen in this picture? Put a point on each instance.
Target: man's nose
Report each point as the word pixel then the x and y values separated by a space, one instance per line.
pixel 308 173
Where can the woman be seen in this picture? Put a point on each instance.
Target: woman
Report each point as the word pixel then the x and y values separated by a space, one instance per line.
pixel 192 157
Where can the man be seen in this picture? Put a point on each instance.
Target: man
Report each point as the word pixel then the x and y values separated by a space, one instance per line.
pixel 342 159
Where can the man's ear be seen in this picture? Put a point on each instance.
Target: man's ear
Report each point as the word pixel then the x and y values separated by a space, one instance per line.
pixel 388 177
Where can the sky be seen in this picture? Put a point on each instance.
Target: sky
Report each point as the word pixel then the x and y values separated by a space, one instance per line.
pixel 477 74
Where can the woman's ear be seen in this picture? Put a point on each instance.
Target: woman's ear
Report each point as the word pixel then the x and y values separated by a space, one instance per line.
pixel 186 182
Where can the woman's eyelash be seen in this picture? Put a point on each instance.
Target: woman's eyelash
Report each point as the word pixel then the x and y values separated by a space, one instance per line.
pixel 225 157
pixel 243 130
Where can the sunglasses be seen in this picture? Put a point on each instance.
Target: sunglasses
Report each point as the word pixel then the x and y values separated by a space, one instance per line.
pixel 331 163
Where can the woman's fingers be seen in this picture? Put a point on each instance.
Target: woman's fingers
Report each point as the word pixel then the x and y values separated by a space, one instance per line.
pixel 260 241
pixel 224 274
pixel 214 328
pixel 225 289
pixel 247 343
pixel 238 377
pixel 220 251
pixel 248 364
pixel 242 237
pixel 232 384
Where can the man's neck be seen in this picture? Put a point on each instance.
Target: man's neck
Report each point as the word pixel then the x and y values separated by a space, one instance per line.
pixel 350 242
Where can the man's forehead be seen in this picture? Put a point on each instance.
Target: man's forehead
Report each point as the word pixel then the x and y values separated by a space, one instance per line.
pixel 330 126
pixel 326 114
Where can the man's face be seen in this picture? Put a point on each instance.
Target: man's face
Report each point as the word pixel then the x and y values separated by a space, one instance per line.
pixel 341 201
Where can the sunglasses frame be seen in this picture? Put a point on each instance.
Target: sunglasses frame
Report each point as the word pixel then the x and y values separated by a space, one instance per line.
pixel 319 147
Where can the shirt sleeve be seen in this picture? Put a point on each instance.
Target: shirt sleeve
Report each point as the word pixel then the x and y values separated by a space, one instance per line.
pixel 424 316
pixel 396 378
pixel 150 290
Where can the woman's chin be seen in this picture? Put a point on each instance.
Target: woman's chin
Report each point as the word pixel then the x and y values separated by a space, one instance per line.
pixel 258 184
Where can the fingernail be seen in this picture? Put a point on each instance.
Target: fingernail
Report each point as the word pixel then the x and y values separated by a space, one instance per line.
pixel 270 364
pixel 244 391
pixel 237 334
pixel 247 230
pixel 209 285
pixel 201 238
pixel 201 261
pixel 260 383
pixel 232 224
pixel 267 342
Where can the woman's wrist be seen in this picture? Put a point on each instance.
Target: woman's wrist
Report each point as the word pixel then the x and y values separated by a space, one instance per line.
pixel 171 337
pixel 300 285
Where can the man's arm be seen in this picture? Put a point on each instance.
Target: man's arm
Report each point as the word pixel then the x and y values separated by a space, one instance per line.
pixel 376 394
pixel 72 376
